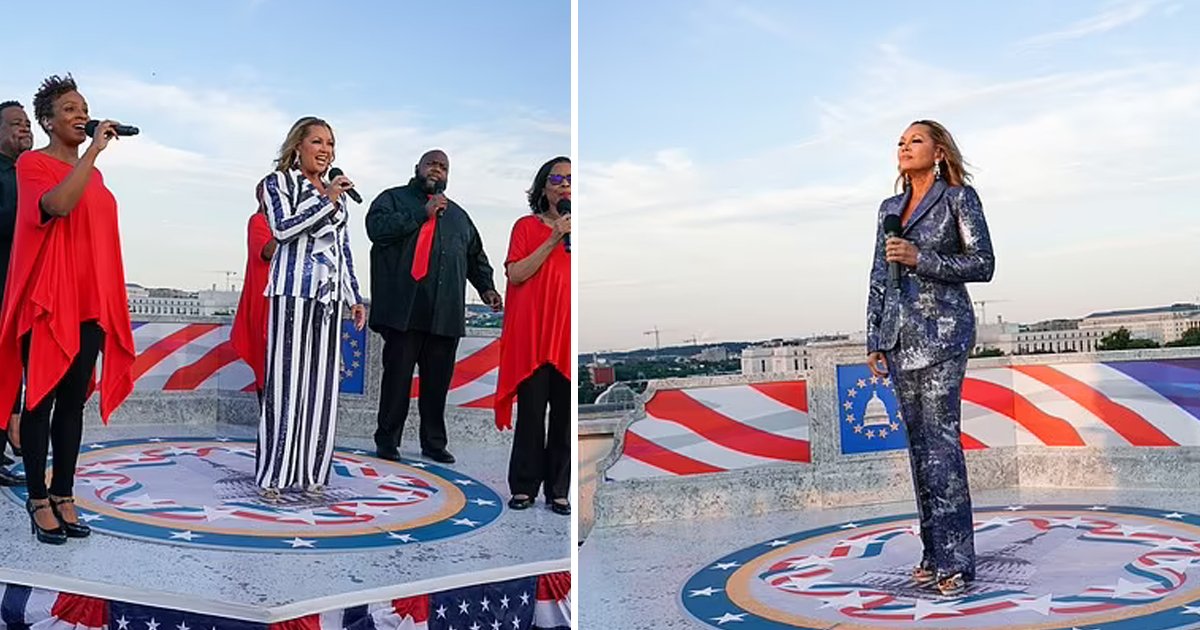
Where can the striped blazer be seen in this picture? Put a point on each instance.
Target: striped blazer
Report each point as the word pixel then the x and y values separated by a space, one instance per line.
pixel 313 259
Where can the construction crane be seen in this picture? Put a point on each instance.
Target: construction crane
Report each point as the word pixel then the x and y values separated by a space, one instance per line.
pixel 982 304
pixel 654 331
pixel 229 276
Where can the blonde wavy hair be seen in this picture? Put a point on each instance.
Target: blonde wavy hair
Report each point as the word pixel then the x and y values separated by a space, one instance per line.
pixel 953 165
pixel 289 152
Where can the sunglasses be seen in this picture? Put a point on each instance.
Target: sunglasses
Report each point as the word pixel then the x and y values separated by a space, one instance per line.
pixel 557 180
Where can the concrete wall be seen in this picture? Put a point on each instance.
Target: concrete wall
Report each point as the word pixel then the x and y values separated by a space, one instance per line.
pixel 837 479
pixel 356 413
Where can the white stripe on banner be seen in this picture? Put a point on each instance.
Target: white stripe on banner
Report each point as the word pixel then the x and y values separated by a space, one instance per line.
pixel 147 334
pixel 680 439
pixel 629 468
pixel 1091 429
pixel 753 408
pixel 552 614
pixel 467 346
pixel 235 376
pixel 40 603
pixel 1172 420
pixel 385 617
pixel 331 620
pixel 993 429
pixel 189 353
pixel 483 386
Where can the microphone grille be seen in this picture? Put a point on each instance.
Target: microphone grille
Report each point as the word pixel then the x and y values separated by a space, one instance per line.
pixel 891 224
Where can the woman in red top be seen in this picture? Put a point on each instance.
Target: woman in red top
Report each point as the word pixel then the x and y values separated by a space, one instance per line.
pixel 249 334
pixel 535 345
pixel 65 301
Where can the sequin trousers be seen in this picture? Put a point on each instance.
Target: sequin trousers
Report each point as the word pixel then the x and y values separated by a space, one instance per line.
pixel 931 405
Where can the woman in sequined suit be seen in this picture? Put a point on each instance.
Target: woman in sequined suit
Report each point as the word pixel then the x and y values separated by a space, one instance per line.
pixel 920 329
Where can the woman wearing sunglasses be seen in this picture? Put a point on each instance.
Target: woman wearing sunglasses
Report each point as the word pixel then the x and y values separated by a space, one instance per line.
pixel 535 345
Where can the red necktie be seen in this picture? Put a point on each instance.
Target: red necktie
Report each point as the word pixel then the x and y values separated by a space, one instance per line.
pixel 424 247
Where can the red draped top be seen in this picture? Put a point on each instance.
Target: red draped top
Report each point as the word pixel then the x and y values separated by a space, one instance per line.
pixel 64 271
pixel 249 334
pixel 537 316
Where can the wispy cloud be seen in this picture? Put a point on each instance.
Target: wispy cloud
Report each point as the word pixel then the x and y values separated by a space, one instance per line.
pixel 203 148
pixel 779 242
pixel 1113 17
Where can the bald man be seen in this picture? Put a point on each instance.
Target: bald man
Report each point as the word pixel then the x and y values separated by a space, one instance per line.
pixel 424 250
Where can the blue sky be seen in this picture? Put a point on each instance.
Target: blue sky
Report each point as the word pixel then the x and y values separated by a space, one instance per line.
pixel 735 155
pixel 215 86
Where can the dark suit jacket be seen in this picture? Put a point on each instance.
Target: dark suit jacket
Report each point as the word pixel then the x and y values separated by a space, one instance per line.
pixel 436 304
pixel 930 318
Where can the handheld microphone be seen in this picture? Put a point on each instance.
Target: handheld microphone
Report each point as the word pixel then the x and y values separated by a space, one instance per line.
pixel 121 130
pixel 335 172
pixel 891 227
pixel 564 208
pixel 439 186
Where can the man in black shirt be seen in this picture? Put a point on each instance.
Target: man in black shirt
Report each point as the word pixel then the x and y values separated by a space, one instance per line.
pixel 424 250
pixel 15 138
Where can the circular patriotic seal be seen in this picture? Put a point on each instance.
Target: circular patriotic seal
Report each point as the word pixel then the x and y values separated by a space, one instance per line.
pixel 1037 567
pixel 202 493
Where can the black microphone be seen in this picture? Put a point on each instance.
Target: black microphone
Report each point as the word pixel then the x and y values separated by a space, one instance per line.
pixel 122 130
pixel 891 227
pixel 564 208
pixel 335 172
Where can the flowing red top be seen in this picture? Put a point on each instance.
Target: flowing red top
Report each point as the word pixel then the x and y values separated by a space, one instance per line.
pixel 537 316
pixel 249 334
pixel 63 272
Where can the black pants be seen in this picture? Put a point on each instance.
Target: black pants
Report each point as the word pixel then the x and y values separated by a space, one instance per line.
pixel 541 457
pixel 434 355
pixel 65 432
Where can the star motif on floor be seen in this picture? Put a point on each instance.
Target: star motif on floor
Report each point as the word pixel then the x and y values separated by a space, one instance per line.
pixel 725 566
pixel 1173 515
pixel 777 543
pixel 728 617
pixel 299 542
pixel 464 482
pixel 186 535
pixel 464 521
pixel 405 538
pixel 704 592
pixel 482 502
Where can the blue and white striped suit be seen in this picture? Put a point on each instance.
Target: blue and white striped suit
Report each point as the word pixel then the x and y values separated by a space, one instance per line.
pixel 312 276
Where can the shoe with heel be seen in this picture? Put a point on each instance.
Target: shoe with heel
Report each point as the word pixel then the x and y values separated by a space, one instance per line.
pixel 55 536
pixel 73 530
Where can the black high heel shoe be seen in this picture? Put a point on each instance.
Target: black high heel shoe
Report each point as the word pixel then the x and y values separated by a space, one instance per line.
pixel 56 536
pixel 73 530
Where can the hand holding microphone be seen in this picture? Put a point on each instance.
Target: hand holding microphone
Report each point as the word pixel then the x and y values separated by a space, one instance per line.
pixel 339 183
pixel 562 227
pixel 891 229
pixel 436 203
pixel 108 129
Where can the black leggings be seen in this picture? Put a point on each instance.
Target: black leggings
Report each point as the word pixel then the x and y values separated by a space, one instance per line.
pixel 66 430
pixel 541 454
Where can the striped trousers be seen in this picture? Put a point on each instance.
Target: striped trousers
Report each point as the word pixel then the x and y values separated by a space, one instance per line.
pixel 299 410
